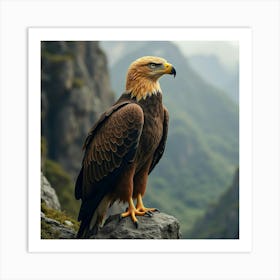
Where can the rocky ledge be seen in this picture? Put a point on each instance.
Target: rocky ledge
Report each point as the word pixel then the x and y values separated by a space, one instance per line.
pixel 159 226
pixel 53 229
pixel 55 224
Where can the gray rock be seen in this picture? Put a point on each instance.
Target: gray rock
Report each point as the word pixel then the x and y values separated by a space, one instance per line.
pixel 48 194
pixel 56 230
pixel 68 223
pixel 159 226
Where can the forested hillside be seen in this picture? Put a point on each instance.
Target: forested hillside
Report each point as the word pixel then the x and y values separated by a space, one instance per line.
pixel 221 219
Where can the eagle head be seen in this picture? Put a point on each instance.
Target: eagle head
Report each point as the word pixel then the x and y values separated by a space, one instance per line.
pixel 143 74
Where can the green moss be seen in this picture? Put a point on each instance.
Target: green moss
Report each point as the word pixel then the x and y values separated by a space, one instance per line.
pixel 58 216
pixel 64 187
pixel 56 174
pixel 43 151
pixel 57 58
pixel 47 231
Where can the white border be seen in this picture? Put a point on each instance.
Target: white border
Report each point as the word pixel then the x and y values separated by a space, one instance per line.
pixel 263 16
pixel 243 36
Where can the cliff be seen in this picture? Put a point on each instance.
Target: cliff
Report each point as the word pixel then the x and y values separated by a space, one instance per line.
pixel 75 90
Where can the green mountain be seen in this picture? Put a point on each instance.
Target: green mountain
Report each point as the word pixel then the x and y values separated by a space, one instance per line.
pixel 221 219
pixel 203 142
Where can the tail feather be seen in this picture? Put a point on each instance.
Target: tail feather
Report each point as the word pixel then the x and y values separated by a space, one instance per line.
pixel 90 224
pixel 85 231
pixel 98 202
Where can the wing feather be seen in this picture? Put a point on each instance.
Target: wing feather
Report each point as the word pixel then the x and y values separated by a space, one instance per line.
pixel 160 149
pixel 110 146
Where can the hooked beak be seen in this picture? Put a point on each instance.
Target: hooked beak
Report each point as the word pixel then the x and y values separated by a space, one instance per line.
pixel 169 69
pixel 173 72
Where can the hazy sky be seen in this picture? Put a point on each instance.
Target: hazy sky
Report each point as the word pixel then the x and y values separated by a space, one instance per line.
pixel 227 52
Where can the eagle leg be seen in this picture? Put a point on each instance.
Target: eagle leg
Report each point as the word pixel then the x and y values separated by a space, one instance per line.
pixel 141 208
pixel 132 212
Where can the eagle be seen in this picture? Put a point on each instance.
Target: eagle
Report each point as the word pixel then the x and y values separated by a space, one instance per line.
pixel 123 147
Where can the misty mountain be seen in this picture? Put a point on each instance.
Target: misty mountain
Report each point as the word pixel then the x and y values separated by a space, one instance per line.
pixel 213 71
pixel 209 67
pixel 221 219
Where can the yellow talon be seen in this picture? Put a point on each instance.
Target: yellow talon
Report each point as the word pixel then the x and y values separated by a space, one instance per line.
pixel 140 206
pixel 133 212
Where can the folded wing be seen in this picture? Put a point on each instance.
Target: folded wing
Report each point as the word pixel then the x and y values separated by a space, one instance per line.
pixel 110 146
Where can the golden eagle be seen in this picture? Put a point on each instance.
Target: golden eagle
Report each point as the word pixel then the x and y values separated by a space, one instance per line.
pixel 123 147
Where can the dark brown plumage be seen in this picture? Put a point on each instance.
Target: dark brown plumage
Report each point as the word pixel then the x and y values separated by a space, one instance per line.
pixel 123 147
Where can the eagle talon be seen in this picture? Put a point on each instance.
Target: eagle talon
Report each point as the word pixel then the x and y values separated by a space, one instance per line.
pixel 148 214
pixel 132 212
pixel 140 207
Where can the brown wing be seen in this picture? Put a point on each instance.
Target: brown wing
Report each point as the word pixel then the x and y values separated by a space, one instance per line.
pixel 110 145
pixel 160 149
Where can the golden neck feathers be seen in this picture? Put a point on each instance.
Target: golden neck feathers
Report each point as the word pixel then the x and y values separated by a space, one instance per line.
pixel 143 74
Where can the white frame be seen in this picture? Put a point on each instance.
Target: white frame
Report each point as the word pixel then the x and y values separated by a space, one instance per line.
pixel 262 262
pixel 243 36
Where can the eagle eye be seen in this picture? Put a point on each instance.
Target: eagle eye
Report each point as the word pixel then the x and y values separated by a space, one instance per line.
pixel 153 65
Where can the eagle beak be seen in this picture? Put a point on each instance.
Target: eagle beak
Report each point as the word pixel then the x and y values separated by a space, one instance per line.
pixel 169 69
pixel 173 72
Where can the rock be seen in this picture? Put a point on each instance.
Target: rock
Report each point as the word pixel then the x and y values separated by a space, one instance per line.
pixel 48 194
pixel 52 229
pixel 68 223
pixel 159 226
pixel 75 91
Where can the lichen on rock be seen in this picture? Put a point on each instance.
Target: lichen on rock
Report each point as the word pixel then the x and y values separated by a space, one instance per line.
pixel 55 224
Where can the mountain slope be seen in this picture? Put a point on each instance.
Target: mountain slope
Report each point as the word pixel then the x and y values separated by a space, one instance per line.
pixel 221 220
pixel 212 70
